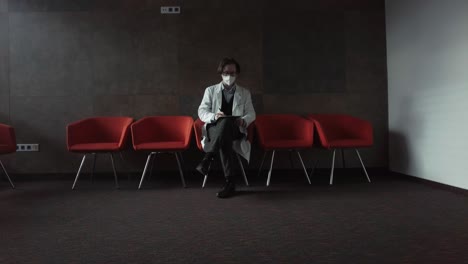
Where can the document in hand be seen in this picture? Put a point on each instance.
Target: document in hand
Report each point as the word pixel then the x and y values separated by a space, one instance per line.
pixel 231 117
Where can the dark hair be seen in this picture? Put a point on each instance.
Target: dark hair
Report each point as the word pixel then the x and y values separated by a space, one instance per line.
pixel 227 61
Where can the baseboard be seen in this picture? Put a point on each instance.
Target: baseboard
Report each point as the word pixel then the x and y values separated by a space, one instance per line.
pixel 434 184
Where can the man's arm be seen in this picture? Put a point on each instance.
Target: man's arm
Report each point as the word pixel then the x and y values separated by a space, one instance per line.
pixel 204 110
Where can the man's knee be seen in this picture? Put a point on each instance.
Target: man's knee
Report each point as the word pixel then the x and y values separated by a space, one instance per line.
pixel 225 126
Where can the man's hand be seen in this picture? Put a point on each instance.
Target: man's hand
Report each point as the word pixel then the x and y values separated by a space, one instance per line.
pixel 240 122
pixel 218 115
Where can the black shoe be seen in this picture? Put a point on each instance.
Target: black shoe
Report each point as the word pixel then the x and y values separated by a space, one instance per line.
pixel 228 190
pixel 204 165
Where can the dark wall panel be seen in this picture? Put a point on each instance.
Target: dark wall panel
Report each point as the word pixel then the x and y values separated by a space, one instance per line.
pixel 50 54
pixel 204 39
pixel 4 68
pixel 304 51
pixel 86 5
pixel 65 60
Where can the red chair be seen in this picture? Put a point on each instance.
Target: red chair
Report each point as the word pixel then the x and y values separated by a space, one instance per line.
pixel 337 131
pixel 7 145
pixel 98 135
pixel 283 132
pixel 159 134
pixel 197 127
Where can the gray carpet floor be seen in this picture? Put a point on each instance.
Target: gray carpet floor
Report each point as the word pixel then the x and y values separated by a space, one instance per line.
pixel 391 220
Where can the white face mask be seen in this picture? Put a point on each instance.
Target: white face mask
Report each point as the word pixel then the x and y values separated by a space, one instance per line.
pixel 228 80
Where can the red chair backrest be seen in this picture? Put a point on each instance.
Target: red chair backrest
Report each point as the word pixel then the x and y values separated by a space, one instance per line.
pixel 339 126
pixel 162 129
pixel 283 127
pixel 197 128
pixel 99 130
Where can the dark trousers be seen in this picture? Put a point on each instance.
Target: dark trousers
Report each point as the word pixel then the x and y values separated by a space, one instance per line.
pixel 221 135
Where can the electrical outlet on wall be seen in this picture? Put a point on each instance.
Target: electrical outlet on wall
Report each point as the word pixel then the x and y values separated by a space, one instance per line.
pixel 170 9
pixel 27 147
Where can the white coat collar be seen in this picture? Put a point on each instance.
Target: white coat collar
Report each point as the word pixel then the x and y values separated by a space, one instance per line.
pixel 237 94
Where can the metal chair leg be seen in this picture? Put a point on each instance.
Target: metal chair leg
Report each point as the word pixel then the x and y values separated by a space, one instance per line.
pixel 152 165
pixel 332 168
pixel 182 161
pixel 115 172
pixel 8 176
pixel 124 165
pixel 94 166
pixel 291 162
pixel 242 169
pixel 362 163
pixel 343 158
pixel 206 175
pixel 79 170
pixel 204 180
pixel 180 169
pixel 312 171
pixel 303 166
pixel 144 170
pixel 261 164
pixel 271 168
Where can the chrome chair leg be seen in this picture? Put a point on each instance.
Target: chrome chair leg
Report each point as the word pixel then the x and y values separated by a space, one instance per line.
pixel 124 165
pixel 261 164
pixel 8 176
pixel 79 170
pixel 206 175
pixel 204 180
pixel 291 162
pixel 303 166
pixel 144 170
pixel 94 166
pixel 271 168
pixel 182 161
pixel 363 167
pixel 180 169
pixel 312 171
pixel 115 172
pixel 332 168
pixel 152 165
pixel 242 169
pixel 343 158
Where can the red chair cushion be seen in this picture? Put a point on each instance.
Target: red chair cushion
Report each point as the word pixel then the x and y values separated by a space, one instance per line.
pixel 161 146
pixel 349 143
pixel 95 147
pixel 285 144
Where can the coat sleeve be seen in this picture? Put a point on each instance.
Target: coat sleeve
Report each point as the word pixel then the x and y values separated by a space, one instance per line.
pixel 249 111
pixel 205 111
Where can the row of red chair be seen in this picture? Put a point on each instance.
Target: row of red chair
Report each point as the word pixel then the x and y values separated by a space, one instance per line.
pixel 172 134
pixel 292 132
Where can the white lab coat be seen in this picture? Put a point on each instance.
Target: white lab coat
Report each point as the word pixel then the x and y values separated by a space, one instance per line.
pixel 241 106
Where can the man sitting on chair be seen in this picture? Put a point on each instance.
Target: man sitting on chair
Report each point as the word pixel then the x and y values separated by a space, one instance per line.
pixel 227 111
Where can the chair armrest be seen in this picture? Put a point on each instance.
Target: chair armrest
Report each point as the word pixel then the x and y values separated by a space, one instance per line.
pixel 362 129
pixel 7 135
pixel 75 137
pixel 125 131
